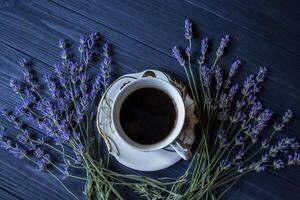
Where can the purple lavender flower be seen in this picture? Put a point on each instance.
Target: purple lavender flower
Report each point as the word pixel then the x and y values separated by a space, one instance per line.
pixel 234 68
pixel 222 46
pixel 104 75
pixel 28 75
pixel 62 44
pixel 223 101
pixel 239 141
pixel 52 87
pixel 39 153
pixel 64 54
pixel 224 165
pixel 20 110
pixel 15 86
pixel 23 137
pixel 257 106
pixel 178 56
pixel 260 168
pixel 218 77
pixel 5 143
pixel 294 159
pixel 278 164
pixel 188 29
pixel 264 144
pixel 240 104
pixel 65 171
pixel 248 84
pixel 232 92
pixel 188 51
pixel 287 116
pixel 43 162
pixel 24 62
pixel 273 151
pixel 206 76
pixel 233 71
pixel 76 135
pixel 265 158
pixel 30 96
pixel 261 74
pixel 17 151
pixel 59 73
pixel 239 155
pixel 78 149
pixel 223 115
pixel 204 47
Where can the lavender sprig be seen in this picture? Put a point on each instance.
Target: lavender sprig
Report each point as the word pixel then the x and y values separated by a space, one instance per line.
pixel 178 56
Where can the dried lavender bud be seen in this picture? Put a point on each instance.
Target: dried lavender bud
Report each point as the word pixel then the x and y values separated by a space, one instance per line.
pixel 265 158
pixel 188 51
pixel 233 71
pixel 260 168
pixel 43 162
pixel 222 46
pixel 15 86
pixel 239 155
pixel 64 54
pixel 62 44
pixel 287 116
pixel 278 164
pixel 294 159
pixel 178 56
pixel 234 68
pixel 59 73
pixel 17 151
pixel 223 115
pixel 65 171
pixel 52 87
pixel 273 151
pixel 78 149
pixel 257 106
pixel 206 76
pixel 24 62
pixel 204 47
pixel 23 138
pixel 224 165
pixel 232 92
pixel 39 152
pixel 188 29
pixel 27 72
pixel 261 74
pixel 248 84
pixel 264 144
pixel 218 77
pixel 239 141
pixel 5 143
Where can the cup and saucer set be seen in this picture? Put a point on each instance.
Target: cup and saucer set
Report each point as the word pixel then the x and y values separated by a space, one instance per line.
pixel 116 128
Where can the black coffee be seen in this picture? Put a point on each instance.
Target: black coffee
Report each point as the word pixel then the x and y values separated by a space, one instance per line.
pixel 147 115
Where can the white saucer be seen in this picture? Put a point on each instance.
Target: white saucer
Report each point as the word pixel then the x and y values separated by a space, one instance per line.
pixel 125 154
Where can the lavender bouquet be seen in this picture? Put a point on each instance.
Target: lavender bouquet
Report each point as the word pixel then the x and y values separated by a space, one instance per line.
pixel 65 117
pixel 234 127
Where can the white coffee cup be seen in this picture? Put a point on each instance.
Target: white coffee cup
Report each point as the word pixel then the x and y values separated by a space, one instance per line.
pixel 171 139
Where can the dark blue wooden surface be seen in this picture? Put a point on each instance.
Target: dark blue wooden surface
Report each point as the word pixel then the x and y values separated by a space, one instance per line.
pixel 142 33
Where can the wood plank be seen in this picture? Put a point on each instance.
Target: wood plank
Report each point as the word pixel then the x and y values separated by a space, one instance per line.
pixel 276 21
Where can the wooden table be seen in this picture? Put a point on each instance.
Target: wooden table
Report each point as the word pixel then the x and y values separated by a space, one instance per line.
pixel 142 34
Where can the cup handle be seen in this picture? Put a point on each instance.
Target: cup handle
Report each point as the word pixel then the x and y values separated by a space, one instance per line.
pixel 181 149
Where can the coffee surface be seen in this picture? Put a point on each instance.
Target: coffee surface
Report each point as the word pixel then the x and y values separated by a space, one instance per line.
pixel 147 115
